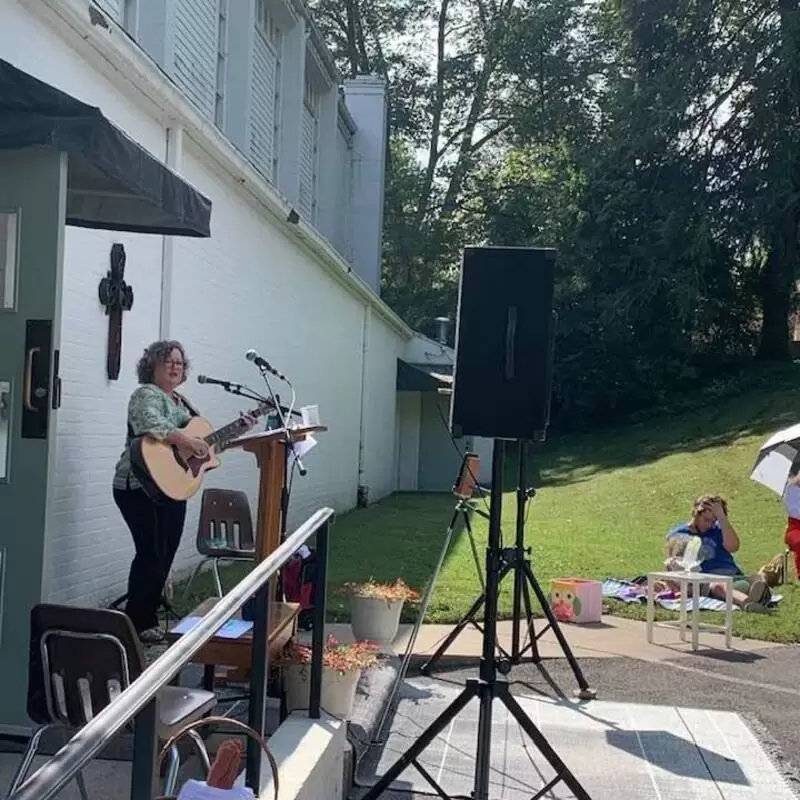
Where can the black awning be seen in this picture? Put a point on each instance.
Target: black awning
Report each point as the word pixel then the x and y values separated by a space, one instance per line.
pixel 112 182
pixel 423 377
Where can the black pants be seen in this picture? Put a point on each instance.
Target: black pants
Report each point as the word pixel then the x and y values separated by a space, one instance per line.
pixel 156 528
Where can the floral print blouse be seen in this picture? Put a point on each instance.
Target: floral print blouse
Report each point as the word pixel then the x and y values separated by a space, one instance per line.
pixel 150 411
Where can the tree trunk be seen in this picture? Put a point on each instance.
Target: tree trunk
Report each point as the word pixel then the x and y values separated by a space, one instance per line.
pixel 776 290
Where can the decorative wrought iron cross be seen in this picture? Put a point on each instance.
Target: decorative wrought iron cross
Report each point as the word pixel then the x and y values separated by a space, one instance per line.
pixel 116 296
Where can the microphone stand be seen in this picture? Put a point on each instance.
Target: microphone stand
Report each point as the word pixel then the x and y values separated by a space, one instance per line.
pixel 241 390
pixel 289 444
pixel 282 419
pixel 301 469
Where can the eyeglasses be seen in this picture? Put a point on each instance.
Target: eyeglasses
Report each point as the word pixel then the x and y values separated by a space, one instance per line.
pixel 173 363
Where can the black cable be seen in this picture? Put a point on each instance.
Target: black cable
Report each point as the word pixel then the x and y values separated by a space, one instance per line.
pixel 462 454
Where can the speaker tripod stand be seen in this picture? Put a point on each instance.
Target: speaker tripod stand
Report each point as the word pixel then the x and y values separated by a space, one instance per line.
pixel 517 560
pixel 465 486
pixel 486 688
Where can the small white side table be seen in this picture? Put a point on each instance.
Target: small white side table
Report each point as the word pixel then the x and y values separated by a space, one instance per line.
pixel 685 580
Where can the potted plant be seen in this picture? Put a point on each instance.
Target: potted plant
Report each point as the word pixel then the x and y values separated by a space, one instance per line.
pixel 375 608
pixel 342 665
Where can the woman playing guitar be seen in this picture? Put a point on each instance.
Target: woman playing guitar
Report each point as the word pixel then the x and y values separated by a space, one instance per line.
pixel 156 522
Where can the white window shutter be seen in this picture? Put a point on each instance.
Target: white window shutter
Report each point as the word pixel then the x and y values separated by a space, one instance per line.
pixel 196 53
pixel 308 165
pixel 262 106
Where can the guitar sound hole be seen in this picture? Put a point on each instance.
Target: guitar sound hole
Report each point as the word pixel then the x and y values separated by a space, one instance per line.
pixel 193 464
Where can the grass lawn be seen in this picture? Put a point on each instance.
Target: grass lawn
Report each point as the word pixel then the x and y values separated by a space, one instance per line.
pixel 602 507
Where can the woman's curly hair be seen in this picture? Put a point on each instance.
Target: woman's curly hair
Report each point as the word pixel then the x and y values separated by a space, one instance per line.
pixel 158 353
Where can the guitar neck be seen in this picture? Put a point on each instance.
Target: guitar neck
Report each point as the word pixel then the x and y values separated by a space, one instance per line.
pixel 231 430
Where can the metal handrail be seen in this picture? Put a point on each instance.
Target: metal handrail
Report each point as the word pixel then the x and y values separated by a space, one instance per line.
pixel 58 771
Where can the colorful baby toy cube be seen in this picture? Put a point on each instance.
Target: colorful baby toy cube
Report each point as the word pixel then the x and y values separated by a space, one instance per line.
pixel 576 600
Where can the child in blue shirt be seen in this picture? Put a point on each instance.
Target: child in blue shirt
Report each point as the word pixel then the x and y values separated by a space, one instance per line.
pixel 719 541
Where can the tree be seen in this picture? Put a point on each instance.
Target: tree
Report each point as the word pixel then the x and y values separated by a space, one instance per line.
pixel 654 142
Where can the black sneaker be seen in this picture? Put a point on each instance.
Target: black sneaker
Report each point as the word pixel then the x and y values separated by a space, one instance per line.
pixel 151 636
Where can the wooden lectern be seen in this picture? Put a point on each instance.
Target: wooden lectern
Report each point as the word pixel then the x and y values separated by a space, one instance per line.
pixel 271 451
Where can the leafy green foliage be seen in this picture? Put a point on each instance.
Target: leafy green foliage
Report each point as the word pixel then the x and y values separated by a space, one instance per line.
pixel 655 143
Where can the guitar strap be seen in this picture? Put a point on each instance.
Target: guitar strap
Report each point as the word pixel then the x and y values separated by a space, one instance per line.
pixel 192 410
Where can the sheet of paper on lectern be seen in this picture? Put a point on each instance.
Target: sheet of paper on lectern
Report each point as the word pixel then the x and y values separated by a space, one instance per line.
pixel 199 790
pixel 255 434
pixel 232 629
pixel 299 450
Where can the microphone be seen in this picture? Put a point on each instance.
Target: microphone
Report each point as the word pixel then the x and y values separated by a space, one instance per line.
pixel 215 381
pixel 262 363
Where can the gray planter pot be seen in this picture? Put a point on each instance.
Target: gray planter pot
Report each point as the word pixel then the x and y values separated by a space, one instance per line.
pixel 338 690
pixel 375 620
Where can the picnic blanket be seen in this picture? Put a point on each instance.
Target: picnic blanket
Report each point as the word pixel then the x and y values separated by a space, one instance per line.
pixel 636 592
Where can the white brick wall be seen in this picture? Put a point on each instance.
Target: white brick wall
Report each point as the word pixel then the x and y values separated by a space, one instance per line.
pixel 248 286
pixel 261 291
pixel 90 546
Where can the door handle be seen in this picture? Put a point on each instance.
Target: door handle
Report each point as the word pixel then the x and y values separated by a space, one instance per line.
pixel 28 390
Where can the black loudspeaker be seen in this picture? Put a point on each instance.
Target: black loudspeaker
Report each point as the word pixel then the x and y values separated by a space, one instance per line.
pixel 504 343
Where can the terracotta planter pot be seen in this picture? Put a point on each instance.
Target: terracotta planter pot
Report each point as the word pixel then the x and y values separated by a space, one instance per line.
pixel 338 690
pixel 375 620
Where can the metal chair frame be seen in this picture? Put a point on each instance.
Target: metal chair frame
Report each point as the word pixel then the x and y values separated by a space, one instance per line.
pixel 55 701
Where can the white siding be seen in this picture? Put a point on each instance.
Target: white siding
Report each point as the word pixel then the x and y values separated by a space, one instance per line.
pixel 195 52
pixel 263 88
pixel 439 457
pixel 222 64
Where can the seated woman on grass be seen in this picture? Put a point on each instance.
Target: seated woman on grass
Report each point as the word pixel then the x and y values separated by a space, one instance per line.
pixel 718 540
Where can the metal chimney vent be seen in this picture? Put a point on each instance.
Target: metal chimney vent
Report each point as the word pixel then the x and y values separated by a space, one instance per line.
pixel 442 329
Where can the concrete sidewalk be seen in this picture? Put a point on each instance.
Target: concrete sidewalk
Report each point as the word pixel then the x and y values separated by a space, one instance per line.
pixel 614 637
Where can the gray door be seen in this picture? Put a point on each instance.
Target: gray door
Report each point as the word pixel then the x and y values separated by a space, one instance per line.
pixel 439 460
pixel 32 205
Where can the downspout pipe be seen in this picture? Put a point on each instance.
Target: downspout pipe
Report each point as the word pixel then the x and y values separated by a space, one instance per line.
pixel 174 161
pixel 362 496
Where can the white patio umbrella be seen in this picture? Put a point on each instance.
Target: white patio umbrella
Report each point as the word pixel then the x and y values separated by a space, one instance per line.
pixel 777 459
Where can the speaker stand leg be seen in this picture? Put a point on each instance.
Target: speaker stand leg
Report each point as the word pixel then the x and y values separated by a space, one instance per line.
pixel 563 772
pixel 467 619
pixel 409 758
pixel 585 692
pixel 423 609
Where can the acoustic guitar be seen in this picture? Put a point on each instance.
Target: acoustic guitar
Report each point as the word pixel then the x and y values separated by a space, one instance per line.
pixel 160 467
